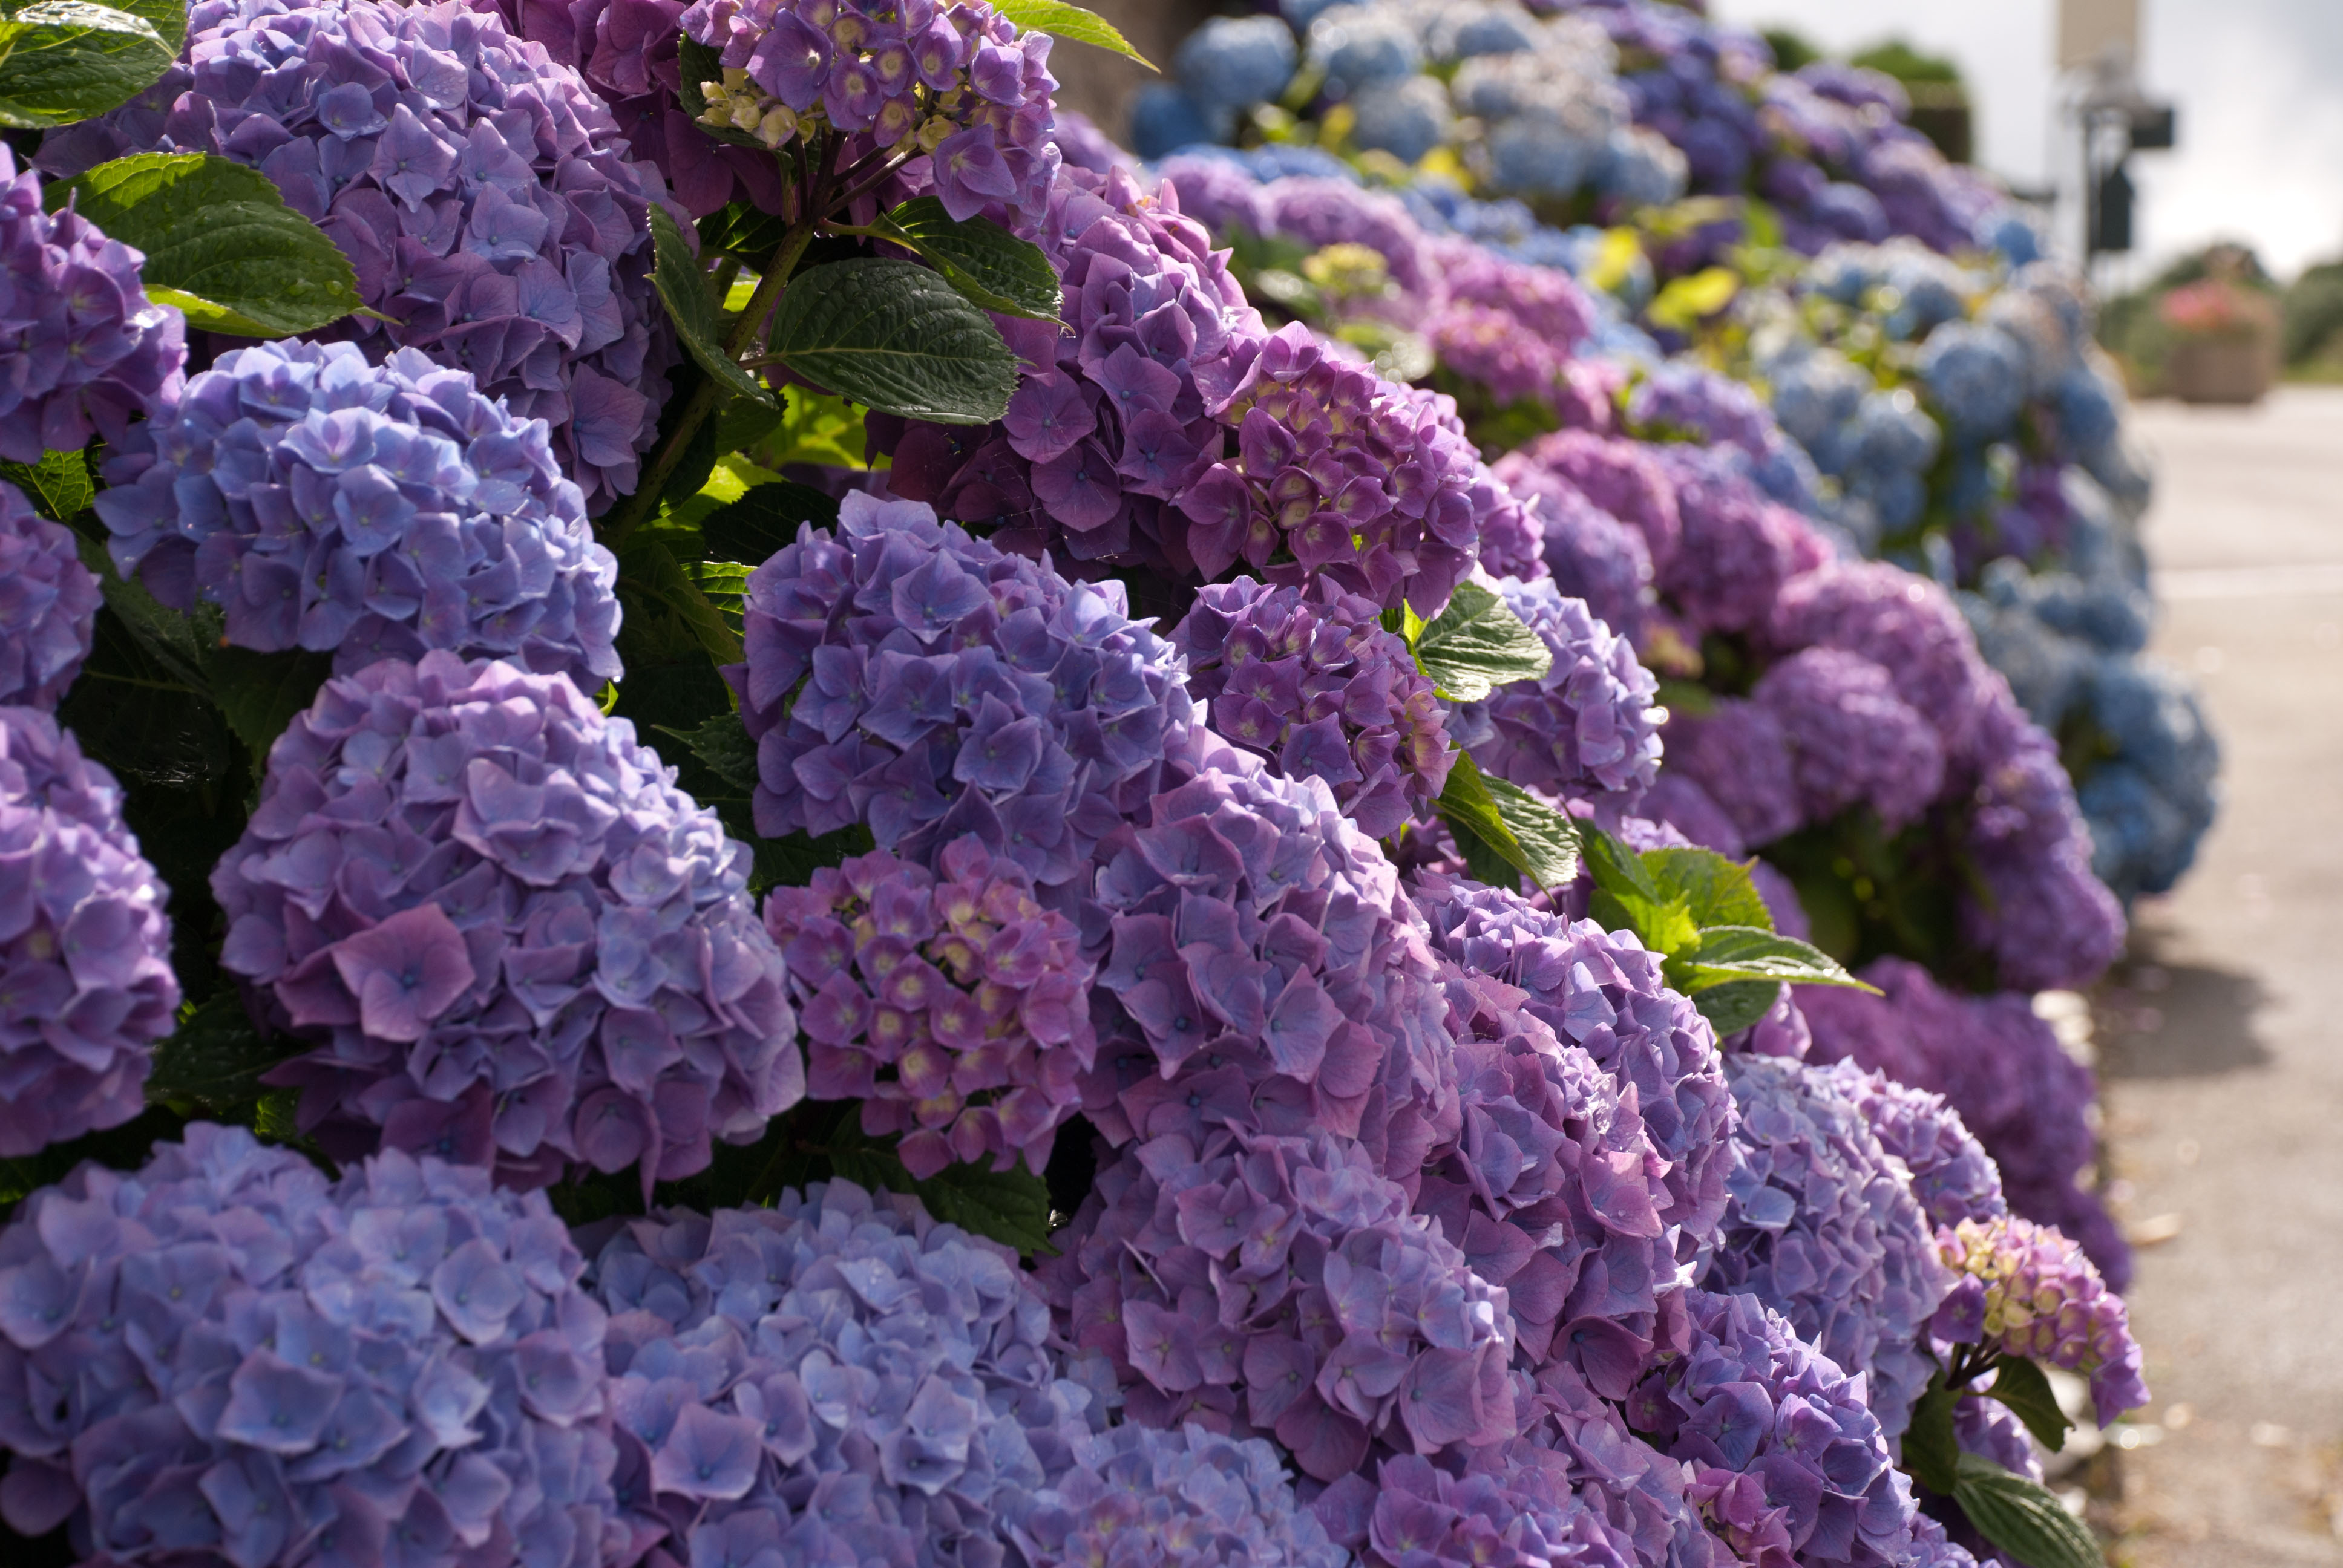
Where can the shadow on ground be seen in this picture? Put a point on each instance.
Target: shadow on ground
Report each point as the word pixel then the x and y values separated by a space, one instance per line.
pixel 2166 1020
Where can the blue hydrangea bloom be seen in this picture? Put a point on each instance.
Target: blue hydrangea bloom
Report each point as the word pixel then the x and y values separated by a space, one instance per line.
pixel 1406 118
pixel 501 934
pixel 84 350
pixel 222 1357
pixel 905 675
pixel 371 511
pixel 493 211
pixel 1585 729
pixel 1236 62
pixel 86 981
pixel 1360 46
pixel 1279 1284
pixel 836 1379
pixel 1825 1229
pixel 1164 119
pixel 49 605
pixel 1977 378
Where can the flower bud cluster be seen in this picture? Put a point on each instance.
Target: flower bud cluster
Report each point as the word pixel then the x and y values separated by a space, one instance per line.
pixel 223 1357
pixel 1785 1462
pixel 1263 971
pixel 1279 1284
pixel 1308 678
pixel 483 193
pixel 85 351
pixel 49 605
pixel 836 1379
pixel 955 1008
pixel 904 676
pixel 1585 729
pixel 1600 990
pixel 1825 1229
pixel 501 935
pixel 2027 1291
pixel 369 511
pixel 86 981
pixel 956 80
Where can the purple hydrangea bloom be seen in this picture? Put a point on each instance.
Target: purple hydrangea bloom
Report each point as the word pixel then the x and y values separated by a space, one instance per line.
pixel 1852 738
pixel 49 605
pixel 2043 914
pixel 1309 678
pixel 1988 1428
pixel 1258 1283
pixel 835 1379
pixel 1737 754
pixel 1140 1498
pixel 1590 554
pixel 1552 1188
pixel 907 677
pixel 1624 478
pixel 1825 1229
pixel 483 193
pixel 1644 1493
pixel 223 1358
pixel 1998 1066
pixel 84 350
pixel 1738 549
pixel 957 82
pixel 1264 971
pixel 1514 1506
pixel 372 511
pixel 1506 325
pixel 2027 1291
pixel 502 934
pixel 1684 401
pixel 1585 729
pixel 86 981
pixel 956 1009
pixel 1787 1464
pixel 1951 1175
pixel 1906 625
pixel 1600 990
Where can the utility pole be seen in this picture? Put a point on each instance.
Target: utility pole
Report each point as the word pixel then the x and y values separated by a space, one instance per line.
pixel 2099 50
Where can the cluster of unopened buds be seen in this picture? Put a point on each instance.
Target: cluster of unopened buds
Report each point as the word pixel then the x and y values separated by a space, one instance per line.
pixel 738 103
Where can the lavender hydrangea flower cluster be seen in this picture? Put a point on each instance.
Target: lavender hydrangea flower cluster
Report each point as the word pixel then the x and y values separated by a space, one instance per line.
pixel 956 1009
pixel 1605 562
pixel 956 81
pixel 1506 325
pixel 1952 1177
pixel 1601 991
pixel 1551 1188
pixel 482 192
pixel 1585 729
pixel 371 511
pixel 1851 737
pixel 1095 446
pixel 1279 1284
pixel 2002 1070
pixel 1513 1507
pixel 1139 1498
pixel 86 981
pixel 85 351
pixel 1308 678
pixel 1644 1493
pixel 902 675
pixel 501 933
pixel 835 1379
pixel 223 1358
pixel 49 605
pixel 1266 973
pixel 2027 1291
pixel 1824 1229
pixel 1788 1463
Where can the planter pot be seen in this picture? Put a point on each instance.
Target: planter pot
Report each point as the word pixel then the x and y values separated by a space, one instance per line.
pixel 2237 369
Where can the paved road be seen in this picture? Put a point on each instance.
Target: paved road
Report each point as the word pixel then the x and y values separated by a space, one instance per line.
pixel 2222 1037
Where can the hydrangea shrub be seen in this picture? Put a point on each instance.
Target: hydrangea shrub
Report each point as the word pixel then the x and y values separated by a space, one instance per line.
pixel 48 606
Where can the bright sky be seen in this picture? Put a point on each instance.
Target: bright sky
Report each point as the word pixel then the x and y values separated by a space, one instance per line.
pixel 2259 86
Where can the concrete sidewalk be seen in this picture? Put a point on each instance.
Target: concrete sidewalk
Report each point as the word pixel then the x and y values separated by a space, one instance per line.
pixel 2221 1037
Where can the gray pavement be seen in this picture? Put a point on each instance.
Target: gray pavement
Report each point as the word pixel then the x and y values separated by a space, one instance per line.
pixel 2221 1037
